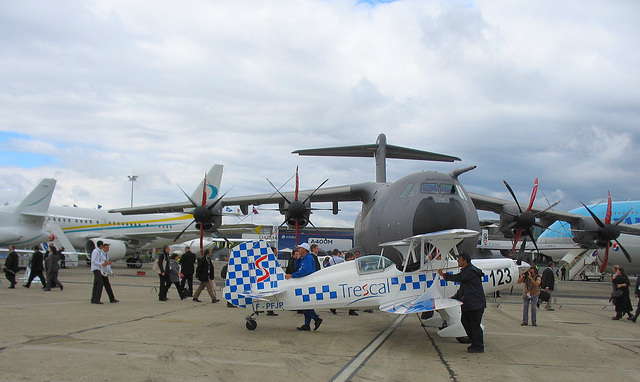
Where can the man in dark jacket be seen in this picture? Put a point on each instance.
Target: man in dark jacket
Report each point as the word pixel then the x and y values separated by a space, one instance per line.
pixel 36 268
pixel 11 266
pixel 205 273
pixel 547 283
pixel 187 261
pixel 165 280
pixel 471 294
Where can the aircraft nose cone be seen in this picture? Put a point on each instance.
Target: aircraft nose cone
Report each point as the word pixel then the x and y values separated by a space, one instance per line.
pixel 432 217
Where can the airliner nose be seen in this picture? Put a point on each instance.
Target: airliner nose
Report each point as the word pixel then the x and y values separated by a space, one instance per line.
pixel 432 216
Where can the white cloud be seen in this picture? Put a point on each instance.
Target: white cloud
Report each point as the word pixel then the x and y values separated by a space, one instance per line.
pixel 164 89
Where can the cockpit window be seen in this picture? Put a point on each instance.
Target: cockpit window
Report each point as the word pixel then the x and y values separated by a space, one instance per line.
pixel 429 188
pixel 412 189
pixel 373 264
pixel 448 189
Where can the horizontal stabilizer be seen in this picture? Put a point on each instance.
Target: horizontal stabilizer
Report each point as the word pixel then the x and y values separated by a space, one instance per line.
pixel 369 151
pixel 261 296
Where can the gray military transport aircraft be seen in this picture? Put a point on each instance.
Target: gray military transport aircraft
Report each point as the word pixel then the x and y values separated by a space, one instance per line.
pixel 419 203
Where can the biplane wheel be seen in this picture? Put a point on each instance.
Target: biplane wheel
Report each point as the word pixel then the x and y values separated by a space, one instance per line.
pixel 252 324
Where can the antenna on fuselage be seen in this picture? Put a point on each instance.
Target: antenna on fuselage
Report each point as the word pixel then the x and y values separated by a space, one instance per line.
pixel 380 151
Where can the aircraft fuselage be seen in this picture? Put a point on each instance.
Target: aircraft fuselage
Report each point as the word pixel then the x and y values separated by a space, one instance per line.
pixel 419 203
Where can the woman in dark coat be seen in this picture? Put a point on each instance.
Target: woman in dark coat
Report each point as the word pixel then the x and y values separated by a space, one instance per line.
pixel 622 303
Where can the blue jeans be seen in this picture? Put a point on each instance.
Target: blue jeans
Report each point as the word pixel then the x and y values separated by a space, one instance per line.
pixel 534 309
pixel 309 315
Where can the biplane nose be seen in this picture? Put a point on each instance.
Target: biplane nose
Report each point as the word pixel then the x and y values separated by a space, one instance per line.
pixel 432 216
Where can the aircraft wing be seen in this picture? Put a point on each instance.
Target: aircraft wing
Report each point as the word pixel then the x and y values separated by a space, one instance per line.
pixel 350 193
pixel 155 209
pixel 424 303
pixel 488 203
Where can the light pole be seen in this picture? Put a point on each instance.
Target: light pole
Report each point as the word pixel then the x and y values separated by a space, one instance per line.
pixel 132 178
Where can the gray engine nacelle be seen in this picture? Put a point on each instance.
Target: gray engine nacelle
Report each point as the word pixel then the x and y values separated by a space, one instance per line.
pixel 117 249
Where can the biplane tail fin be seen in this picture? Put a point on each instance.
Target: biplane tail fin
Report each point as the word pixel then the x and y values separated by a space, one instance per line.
pixel 253 273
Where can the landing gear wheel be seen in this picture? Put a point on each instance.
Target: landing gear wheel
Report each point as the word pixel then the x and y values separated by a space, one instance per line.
pixel 251 324
pixel 137 263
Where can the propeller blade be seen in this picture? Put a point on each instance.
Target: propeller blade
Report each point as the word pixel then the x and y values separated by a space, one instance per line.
pixel 533 240
pixel 607 218
pixel 626 254
pixel 193 202
pixel 606 257
pixel 185 228
pixel 217 201
pixel 201 240
pixel 513 195
pixel 548 208
pixel 297 230
pixel 533 194
pixel 598 221
pixel 314 191
pixel 623 217
pixel 297 184
pixel 278 191
pixel 316 228
pixel 204 195
pixel 515 241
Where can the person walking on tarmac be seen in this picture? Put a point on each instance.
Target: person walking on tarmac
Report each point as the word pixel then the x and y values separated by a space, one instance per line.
pixel 471 294
pixel 36 268
pixel 11 266
pixel 306 266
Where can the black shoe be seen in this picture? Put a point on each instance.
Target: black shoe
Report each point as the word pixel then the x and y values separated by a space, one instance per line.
pixel 333 311
pixel 353 313
pixel 46 289
pixel 214 300
pixel 368 310
pixel 317 324
pixel 230 305
pixel 96 302
pixel 61 287
pixel 12 287
pixel 464 340
pixel 615 318
pixel 304 328
pixel 163 299
pixel 475 350
pixel 26 286
pixel 271 313
pixel 196 300
pixel 114 301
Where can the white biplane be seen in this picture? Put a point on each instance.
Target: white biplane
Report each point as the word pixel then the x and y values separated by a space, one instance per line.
pixel 256 281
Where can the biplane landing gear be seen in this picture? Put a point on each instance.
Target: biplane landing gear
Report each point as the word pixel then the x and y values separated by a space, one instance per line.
pixel 251 322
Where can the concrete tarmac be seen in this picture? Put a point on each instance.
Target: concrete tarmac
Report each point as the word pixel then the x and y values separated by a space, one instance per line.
pixel 61 336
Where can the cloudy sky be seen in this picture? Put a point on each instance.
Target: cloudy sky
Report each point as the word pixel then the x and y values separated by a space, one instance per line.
pixel 93 91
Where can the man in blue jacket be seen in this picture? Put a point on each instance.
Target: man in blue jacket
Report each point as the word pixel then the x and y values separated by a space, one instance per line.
pixel 305 266
pixel 471 294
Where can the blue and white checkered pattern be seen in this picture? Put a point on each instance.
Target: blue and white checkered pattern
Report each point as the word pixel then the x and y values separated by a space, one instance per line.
pixel 243 273
pixel 317 294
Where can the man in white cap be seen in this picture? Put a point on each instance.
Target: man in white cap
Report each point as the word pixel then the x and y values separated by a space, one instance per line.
pixel 306 266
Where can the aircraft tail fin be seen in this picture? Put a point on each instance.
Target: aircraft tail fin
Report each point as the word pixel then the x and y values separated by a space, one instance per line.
pixel 37 202
pixel 253 272
pixel 214 179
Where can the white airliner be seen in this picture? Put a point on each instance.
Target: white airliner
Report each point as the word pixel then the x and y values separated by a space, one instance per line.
pixel 560 234
pixel 79 229
pixel 22 225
